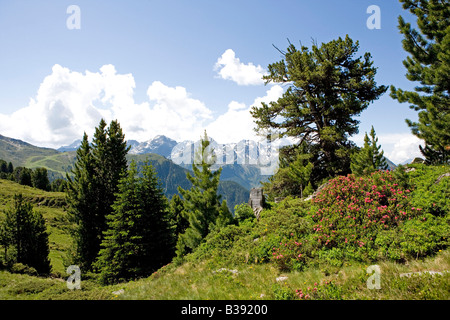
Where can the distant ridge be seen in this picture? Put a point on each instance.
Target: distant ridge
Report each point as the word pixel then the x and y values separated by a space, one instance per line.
pixel 18 151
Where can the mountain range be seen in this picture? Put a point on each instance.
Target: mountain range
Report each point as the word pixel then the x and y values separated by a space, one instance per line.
pixel 244 164
pixel 234 185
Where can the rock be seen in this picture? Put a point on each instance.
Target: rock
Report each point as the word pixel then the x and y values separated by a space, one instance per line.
pixel 441 177
pixel 283 278
pixel 118 292
pixel 319 189
pixel 256 201
pixel 233 271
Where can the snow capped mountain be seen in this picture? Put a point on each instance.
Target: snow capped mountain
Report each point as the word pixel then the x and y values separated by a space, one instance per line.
pixel 71 147
pixel 260 154
pixel 160 144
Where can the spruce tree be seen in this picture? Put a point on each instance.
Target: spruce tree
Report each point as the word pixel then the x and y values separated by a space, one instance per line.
pixel 178 216
pixel 428 64
pixel 369 158
pixel 25 231
pixel 138 240
pixel 82 197
pixel 39 179
pixel 201 202
pixel 92 191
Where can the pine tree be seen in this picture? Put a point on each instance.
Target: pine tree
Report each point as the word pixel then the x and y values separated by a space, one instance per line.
pixel 92 191
pixel 158 238
pixel 369 158
pixel 429 65
pixel 201 202
pixel 138 239
pixel 39 179
pixel 300 171
pixel 328 87
pixel 25 231
pixel 178 216
pixel 82 197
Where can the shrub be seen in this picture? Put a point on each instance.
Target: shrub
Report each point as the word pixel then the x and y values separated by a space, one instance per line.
pixel 424 236
pixel 23 269
pixel 289 255
pixel 350 212
pixel 327 290
pixel 244 213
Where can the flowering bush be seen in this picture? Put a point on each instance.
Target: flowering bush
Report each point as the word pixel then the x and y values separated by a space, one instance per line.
pixel 289 255
pixel 320 291
pixel 350 211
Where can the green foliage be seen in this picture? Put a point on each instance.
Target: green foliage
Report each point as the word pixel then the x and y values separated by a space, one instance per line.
pixel 369 159
pixel 139 239
pixel 24 233
pixel 428 63
pixel 289 255
pixel 39 179
pixel 328 87
pixel 204 210
pixel 326 290
pixel 244 213
pixel 424 236
pixel 430 194
pixel 91 191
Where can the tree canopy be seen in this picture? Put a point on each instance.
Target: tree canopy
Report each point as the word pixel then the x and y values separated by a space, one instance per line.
pixel 327 88
pixel 428 64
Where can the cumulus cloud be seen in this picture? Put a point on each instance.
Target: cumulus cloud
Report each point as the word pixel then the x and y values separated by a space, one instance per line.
pixel 69 103
pixel 401 147
pixel 237 123
pixel 397 147
pixel 229 67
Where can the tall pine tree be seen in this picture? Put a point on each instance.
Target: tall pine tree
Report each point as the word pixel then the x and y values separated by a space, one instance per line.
pixel 83 210
pixel 328 87
pixel 91 192
pixel 369 158
pixel 429 65
pixel 202 203
pixel 138 240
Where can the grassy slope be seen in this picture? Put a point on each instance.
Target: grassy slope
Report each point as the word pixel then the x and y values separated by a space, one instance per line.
pixel 51 205
pixel 201 279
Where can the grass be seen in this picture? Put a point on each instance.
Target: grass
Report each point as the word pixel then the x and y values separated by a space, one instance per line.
pixel 205 281
pixel 228 266
pixel 253 282
pixel 51 205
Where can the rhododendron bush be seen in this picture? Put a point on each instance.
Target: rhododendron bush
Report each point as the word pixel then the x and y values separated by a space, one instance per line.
pixel 365 218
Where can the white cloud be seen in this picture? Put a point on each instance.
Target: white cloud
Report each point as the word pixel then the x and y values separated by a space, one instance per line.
pixel 68 103
pixel 231 68
pixel 237 123
pixel 397 147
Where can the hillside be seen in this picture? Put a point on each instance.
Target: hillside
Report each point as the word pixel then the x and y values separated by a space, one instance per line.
pixel 171 175
pixel 51 205
pixel 19 152
pixel 282 255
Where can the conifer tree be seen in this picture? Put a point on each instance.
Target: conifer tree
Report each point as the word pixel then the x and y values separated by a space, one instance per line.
pixel 428 63
pixel 369 158
pixel 39 179
pixel 82 198
pixel 25 231
pixel 178 216
pixel 138 239
pixel 328 87
pixel 91 192
pixel 201 202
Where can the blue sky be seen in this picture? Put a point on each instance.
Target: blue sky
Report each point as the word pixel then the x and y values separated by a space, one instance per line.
pixel 178 67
